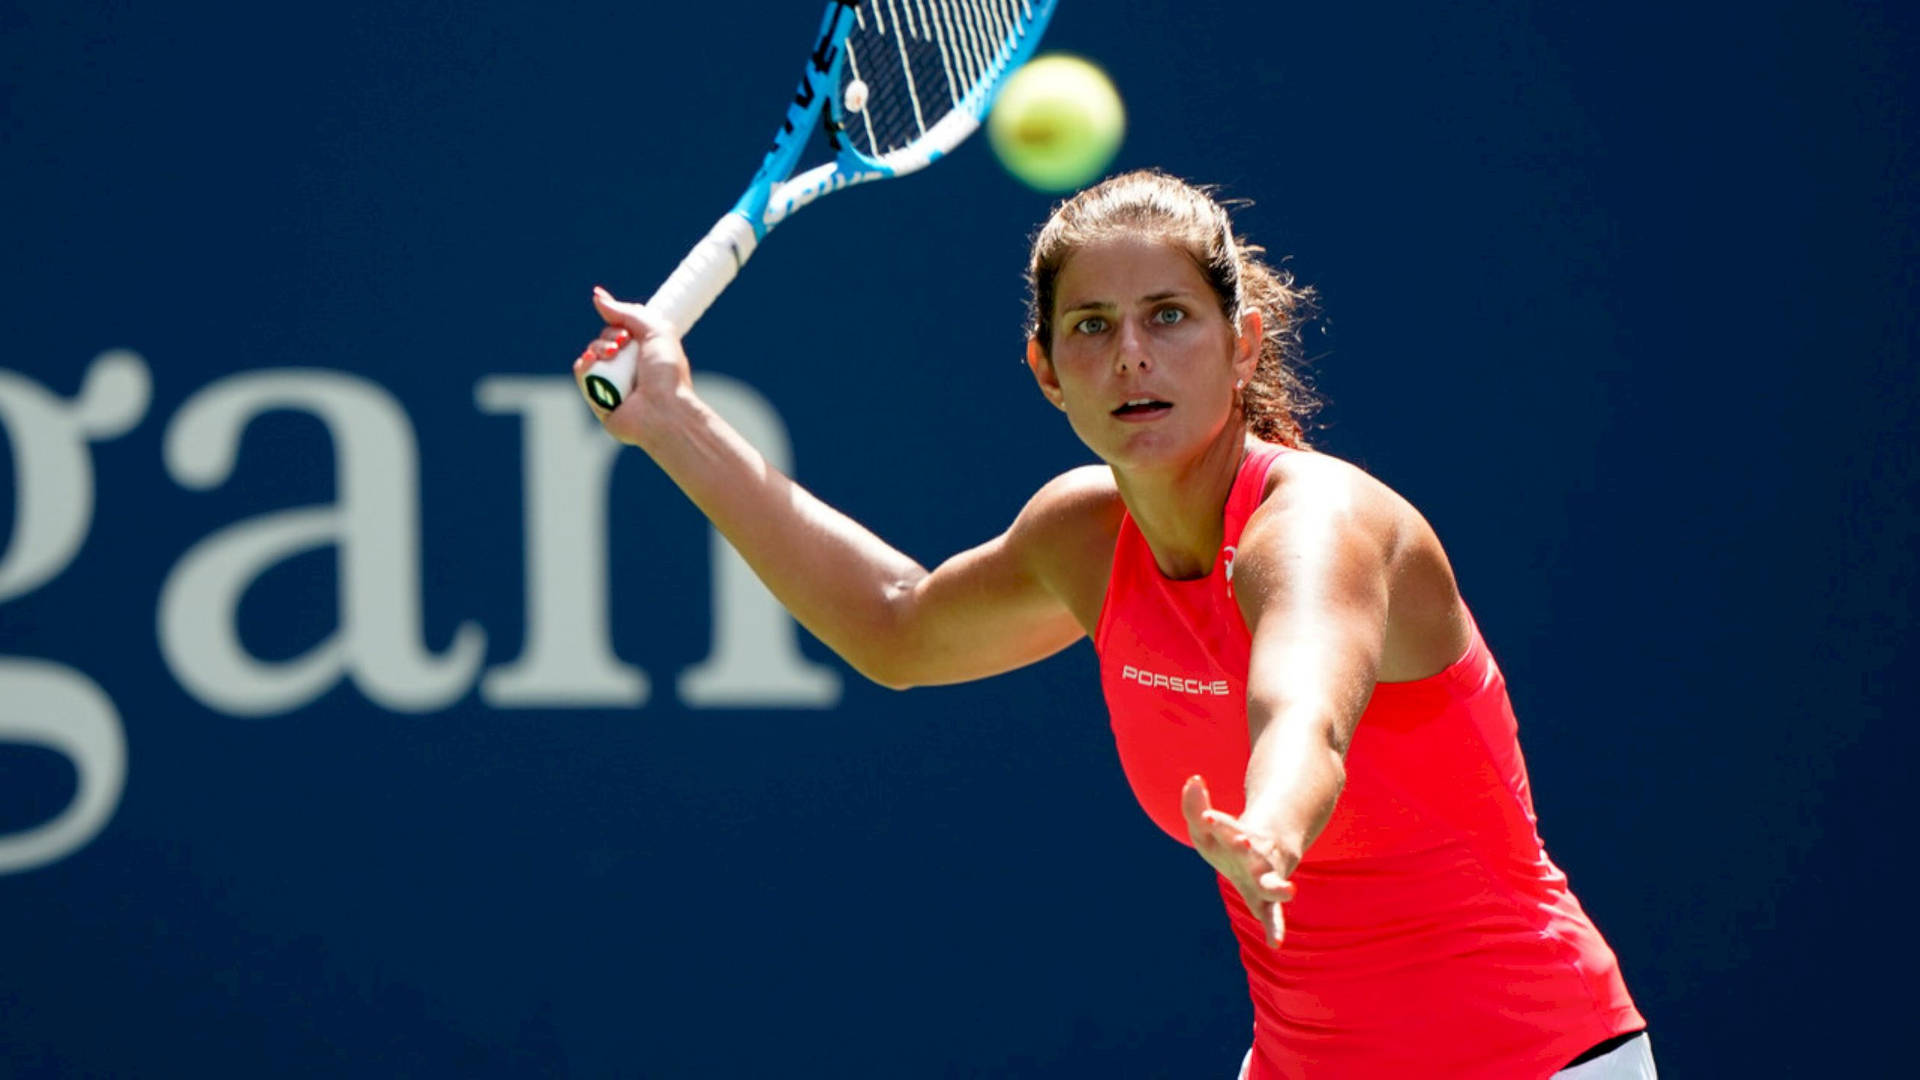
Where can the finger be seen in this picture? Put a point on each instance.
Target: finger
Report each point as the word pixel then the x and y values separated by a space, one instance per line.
pixel 600 348
pixel 1235 832
pixel 1226 830
pixel 633 318
pixel 1275 887
pixel 1194 800
pixel 1276 925
pixel 1194 806
pixel 1223 821
pixel 588 357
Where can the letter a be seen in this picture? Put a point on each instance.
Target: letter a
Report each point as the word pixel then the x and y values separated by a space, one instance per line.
pixel 374 526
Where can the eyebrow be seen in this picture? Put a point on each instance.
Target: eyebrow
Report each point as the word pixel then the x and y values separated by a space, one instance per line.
pixel 1151 298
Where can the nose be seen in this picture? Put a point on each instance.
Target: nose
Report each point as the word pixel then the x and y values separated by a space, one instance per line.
pixel 1130 349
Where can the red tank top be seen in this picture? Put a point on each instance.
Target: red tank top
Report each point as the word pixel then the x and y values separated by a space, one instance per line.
pixel 1430 934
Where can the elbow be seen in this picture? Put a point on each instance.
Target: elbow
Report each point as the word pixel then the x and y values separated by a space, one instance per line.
pixel 886 675
pixel 886 660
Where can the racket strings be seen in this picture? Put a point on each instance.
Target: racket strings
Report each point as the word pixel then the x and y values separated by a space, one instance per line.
pixel 921 59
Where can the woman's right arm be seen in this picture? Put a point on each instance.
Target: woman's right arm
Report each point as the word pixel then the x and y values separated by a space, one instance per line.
pixel 984 611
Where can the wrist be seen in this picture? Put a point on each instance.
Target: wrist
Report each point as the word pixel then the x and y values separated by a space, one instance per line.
pixel 670 421
pixel 1284 856
pixel 1282 846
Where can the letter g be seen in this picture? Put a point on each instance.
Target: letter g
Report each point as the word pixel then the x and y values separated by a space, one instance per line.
pixel 43 703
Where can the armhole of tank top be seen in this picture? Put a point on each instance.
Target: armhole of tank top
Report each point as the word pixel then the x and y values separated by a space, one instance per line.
pixel 1250 502
pixel 1106 598
pixel 1266 474
pixel 1467 673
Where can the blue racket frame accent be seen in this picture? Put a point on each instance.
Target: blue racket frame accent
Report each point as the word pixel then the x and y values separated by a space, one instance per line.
pixel 819 89
pixel 771 196
pixel 818 84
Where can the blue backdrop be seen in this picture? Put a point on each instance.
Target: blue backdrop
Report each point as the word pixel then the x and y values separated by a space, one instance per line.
pixel 323 751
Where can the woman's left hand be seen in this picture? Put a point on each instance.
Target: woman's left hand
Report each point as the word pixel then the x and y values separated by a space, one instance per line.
pixel 1251 861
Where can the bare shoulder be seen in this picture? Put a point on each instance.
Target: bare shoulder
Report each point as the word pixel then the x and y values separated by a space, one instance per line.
pixel 1081 487
pixel 1323 496
pixel 1312 486
pixel 1310 481
pixel 1078 501
pixel 1066 534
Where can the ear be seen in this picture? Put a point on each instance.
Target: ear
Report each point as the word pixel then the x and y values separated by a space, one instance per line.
pixel 1044 374
pixel 1246 348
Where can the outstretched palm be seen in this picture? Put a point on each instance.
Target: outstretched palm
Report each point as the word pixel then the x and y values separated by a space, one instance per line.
pixel 1247 859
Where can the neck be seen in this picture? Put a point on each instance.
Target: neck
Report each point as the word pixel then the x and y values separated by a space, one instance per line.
pixel 1181 511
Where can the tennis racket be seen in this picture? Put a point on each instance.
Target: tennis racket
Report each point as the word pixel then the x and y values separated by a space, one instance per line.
pixel 901 82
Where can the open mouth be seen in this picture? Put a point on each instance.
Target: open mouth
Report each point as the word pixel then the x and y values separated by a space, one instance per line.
pixel 1142 408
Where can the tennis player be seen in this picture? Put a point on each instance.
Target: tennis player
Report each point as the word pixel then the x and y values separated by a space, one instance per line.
pixel 1296 688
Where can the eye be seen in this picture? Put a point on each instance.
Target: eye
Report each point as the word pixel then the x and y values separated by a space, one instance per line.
pixel 1167 316
pixel 1092 324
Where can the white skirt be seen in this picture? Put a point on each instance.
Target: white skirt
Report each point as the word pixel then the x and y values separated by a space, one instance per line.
pixel 1631 1060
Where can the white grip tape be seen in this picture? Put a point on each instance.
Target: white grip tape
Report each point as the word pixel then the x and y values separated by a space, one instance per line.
pixel 686 295
pixel 707 270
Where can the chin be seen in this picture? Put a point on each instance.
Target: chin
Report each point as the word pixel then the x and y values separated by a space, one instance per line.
pixel 1147 450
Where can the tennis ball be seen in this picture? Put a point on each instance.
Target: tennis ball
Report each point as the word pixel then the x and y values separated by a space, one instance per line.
pixel 1057 122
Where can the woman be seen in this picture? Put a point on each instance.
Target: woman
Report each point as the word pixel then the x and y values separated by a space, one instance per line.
pixel 1296 688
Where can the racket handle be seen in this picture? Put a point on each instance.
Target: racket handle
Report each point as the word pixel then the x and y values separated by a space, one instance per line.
pixel 686 295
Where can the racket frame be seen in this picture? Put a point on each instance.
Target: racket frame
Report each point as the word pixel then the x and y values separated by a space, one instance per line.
pixel 773 195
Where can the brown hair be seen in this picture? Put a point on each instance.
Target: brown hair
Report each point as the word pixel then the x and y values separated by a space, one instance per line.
pixel 1277 400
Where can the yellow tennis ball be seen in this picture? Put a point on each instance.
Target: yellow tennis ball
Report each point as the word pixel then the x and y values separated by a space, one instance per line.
pixel 1057 123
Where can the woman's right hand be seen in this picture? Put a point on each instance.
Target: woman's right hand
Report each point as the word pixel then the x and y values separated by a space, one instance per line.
pixel 662 380
pixel 1251 862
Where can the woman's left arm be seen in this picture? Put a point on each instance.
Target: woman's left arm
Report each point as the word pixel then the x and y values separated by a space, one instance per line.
pixel 1312 578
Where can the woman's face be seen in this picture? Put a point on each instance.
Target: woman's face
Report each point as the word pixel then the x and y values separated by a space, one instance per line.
pixel 1144 362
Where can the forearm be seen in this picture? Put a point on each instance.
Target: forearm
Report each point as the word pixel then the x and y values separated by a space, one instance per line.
pixel 1294 777
pixel 837 578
